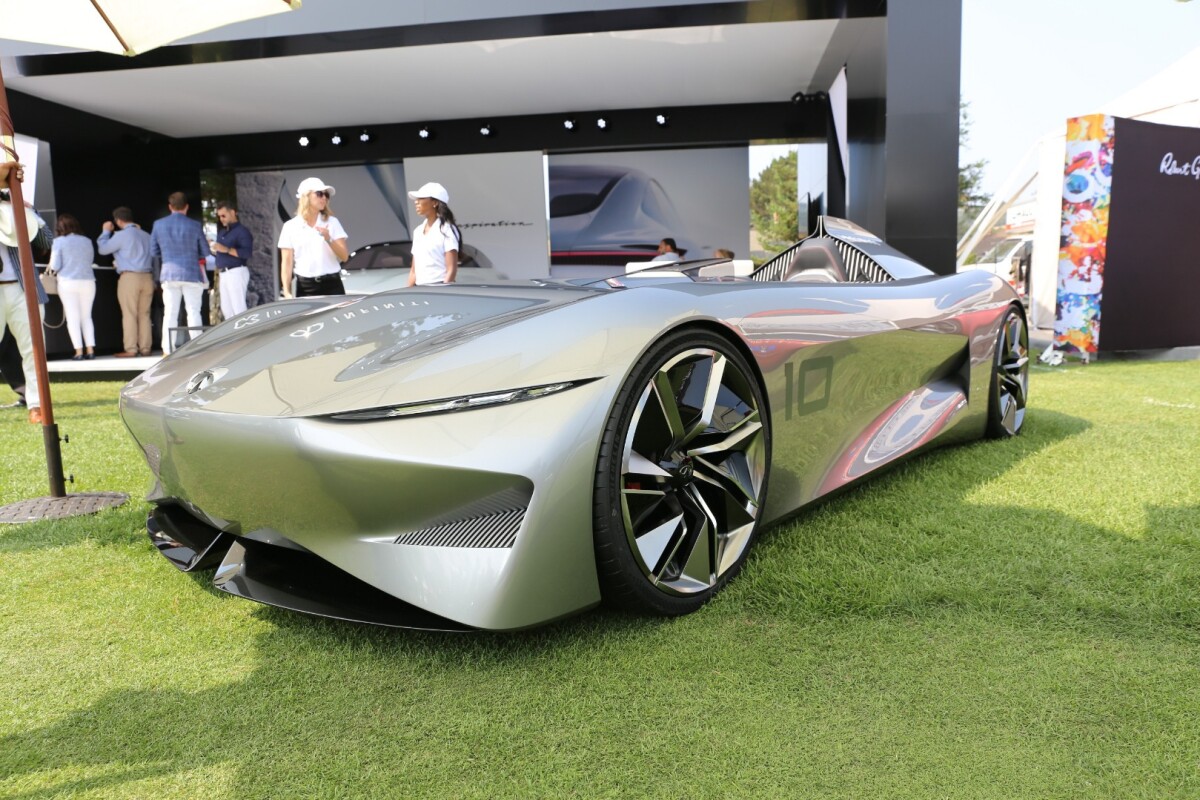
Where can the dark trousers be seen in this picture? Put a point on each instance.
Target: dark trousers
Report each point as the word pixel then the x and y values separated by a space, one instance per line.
pixel 325 284
pixel 10 361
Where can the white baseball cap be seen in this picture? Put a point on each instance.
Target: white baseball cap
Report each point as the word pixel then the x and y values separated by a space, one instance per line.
pixel 8 224
pixel 315 185
pixel 434 190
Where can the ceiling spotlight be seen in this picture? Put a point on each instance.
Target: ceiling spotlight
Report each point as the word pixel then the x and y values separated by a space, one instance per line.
pixel 569 123
pixel 485 129
pixel 304 142
pixel 425 133
pixel 815 97
pixel 364 137
pixel 336 140
pixel 601 123
pixel 662 119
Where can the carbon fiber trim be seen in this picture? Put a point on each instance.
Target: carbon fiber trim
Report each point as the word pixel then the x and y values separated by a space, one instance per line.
pixel 497 529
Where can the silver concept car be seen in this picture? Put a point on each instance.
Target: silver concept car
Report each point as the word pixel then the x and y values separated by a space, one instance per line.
pixel 500 456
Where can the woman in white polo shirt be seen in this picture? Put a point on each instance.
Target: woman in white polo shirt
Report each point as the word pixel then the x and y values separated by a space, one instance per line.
pixel 436 241
pixel 312 244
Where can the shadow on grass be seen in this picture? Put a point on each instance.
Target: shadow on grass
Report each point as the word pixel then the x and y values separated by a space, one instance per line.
pixel 415 678
pixel 334 691
pixel 914 544
pixel 121 526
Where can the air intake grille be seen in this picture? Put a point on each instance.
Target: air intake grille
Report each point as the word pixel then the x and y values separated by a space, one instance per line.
pixel 860 268
pixel 773 270
pixel 498 529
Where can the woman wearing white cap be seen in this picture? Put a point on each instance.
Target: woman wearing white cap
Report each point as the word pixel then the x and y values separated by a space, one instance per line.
pixel 312 244
pixel 436 241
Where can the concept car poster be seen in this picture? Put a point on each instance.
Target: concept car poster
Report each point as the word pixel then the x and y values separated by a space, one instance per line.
pixel 1151 278
pixel 1086 197
pixel 608 209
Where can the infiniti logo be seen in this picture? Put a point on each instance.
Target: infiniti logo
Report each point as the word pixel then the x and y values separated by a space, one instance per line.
pixel 304 333
pixel 203 379
pixel 686 469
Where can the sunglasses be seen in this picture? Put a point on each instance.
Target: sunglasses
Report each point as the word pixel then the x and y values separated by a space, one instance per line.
pixel 321 193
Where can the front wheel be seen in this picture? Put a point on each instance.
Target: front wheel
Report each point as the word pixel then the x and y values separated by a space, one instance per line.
pixel 682 475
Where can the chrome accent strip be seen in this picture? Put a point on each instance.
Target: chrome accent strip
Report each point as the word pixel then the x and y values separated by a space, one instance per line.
pixel 453 404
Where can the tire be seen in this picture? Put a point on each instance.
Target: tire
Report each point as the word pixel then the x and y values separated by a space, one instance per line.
pixel 681 476
pixel 1009 388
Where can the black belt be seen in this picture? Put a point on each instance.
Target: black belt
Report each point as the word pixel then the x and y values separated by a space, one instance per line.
pixel 226 269
pixel 326 277
pixel 5 282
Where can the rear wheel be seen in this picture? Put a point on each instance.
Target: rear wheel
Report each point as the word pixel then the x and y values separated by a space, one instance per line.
pixel 1010 377
pixel 681 476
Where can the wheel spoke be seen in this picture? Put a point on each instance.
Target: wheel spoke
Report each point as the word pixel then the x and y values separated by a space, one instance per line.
pixel 697 570
pixel 712 390
pixel 731 545
pixel 739 484
pixel 1008 413
pixel 1015 388
pixel 638 464
pixel 745 429
pixel 669 405
pixel 652 545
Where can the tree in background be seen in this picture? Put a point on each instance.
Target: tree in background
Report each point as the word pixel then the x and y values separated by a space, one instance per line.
pixel 773 212
pixel 971 197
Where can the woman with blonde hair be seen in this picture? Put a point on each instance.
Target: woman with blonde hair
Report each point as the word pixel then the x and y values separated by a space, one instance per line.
pixel 71 257
pixel 312 244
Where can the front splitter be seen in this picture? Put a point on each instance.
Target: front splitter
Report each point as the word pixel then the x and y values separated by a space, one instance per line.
pixel 284 577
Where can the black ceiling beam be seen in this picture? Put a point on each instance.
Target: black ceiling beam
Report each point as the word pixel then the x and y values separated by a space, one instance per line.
pixel 626 129
pixel 539 25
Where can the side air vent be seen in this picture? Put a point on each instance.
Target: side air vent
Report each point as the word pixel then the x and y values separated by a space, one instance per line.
pixel 498 529
pixel 490 521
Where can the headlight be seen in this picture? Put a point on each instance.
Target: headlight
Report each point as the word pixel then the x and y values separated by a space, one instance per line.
pixel 465 403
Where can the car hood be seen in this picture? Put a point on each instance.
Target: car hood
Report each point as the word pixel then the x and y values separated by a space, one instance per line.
pixel 315 356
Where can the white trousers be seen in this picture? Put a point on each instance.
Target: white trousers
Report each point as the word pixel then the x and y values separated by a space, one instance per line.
pixel 233 291
pixel 14 314
pixel 77 297
pixel 192 293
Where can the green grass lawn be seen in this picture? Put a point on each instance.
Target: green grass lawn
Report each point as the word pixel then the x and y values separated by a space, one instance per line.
pixel 1004 619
